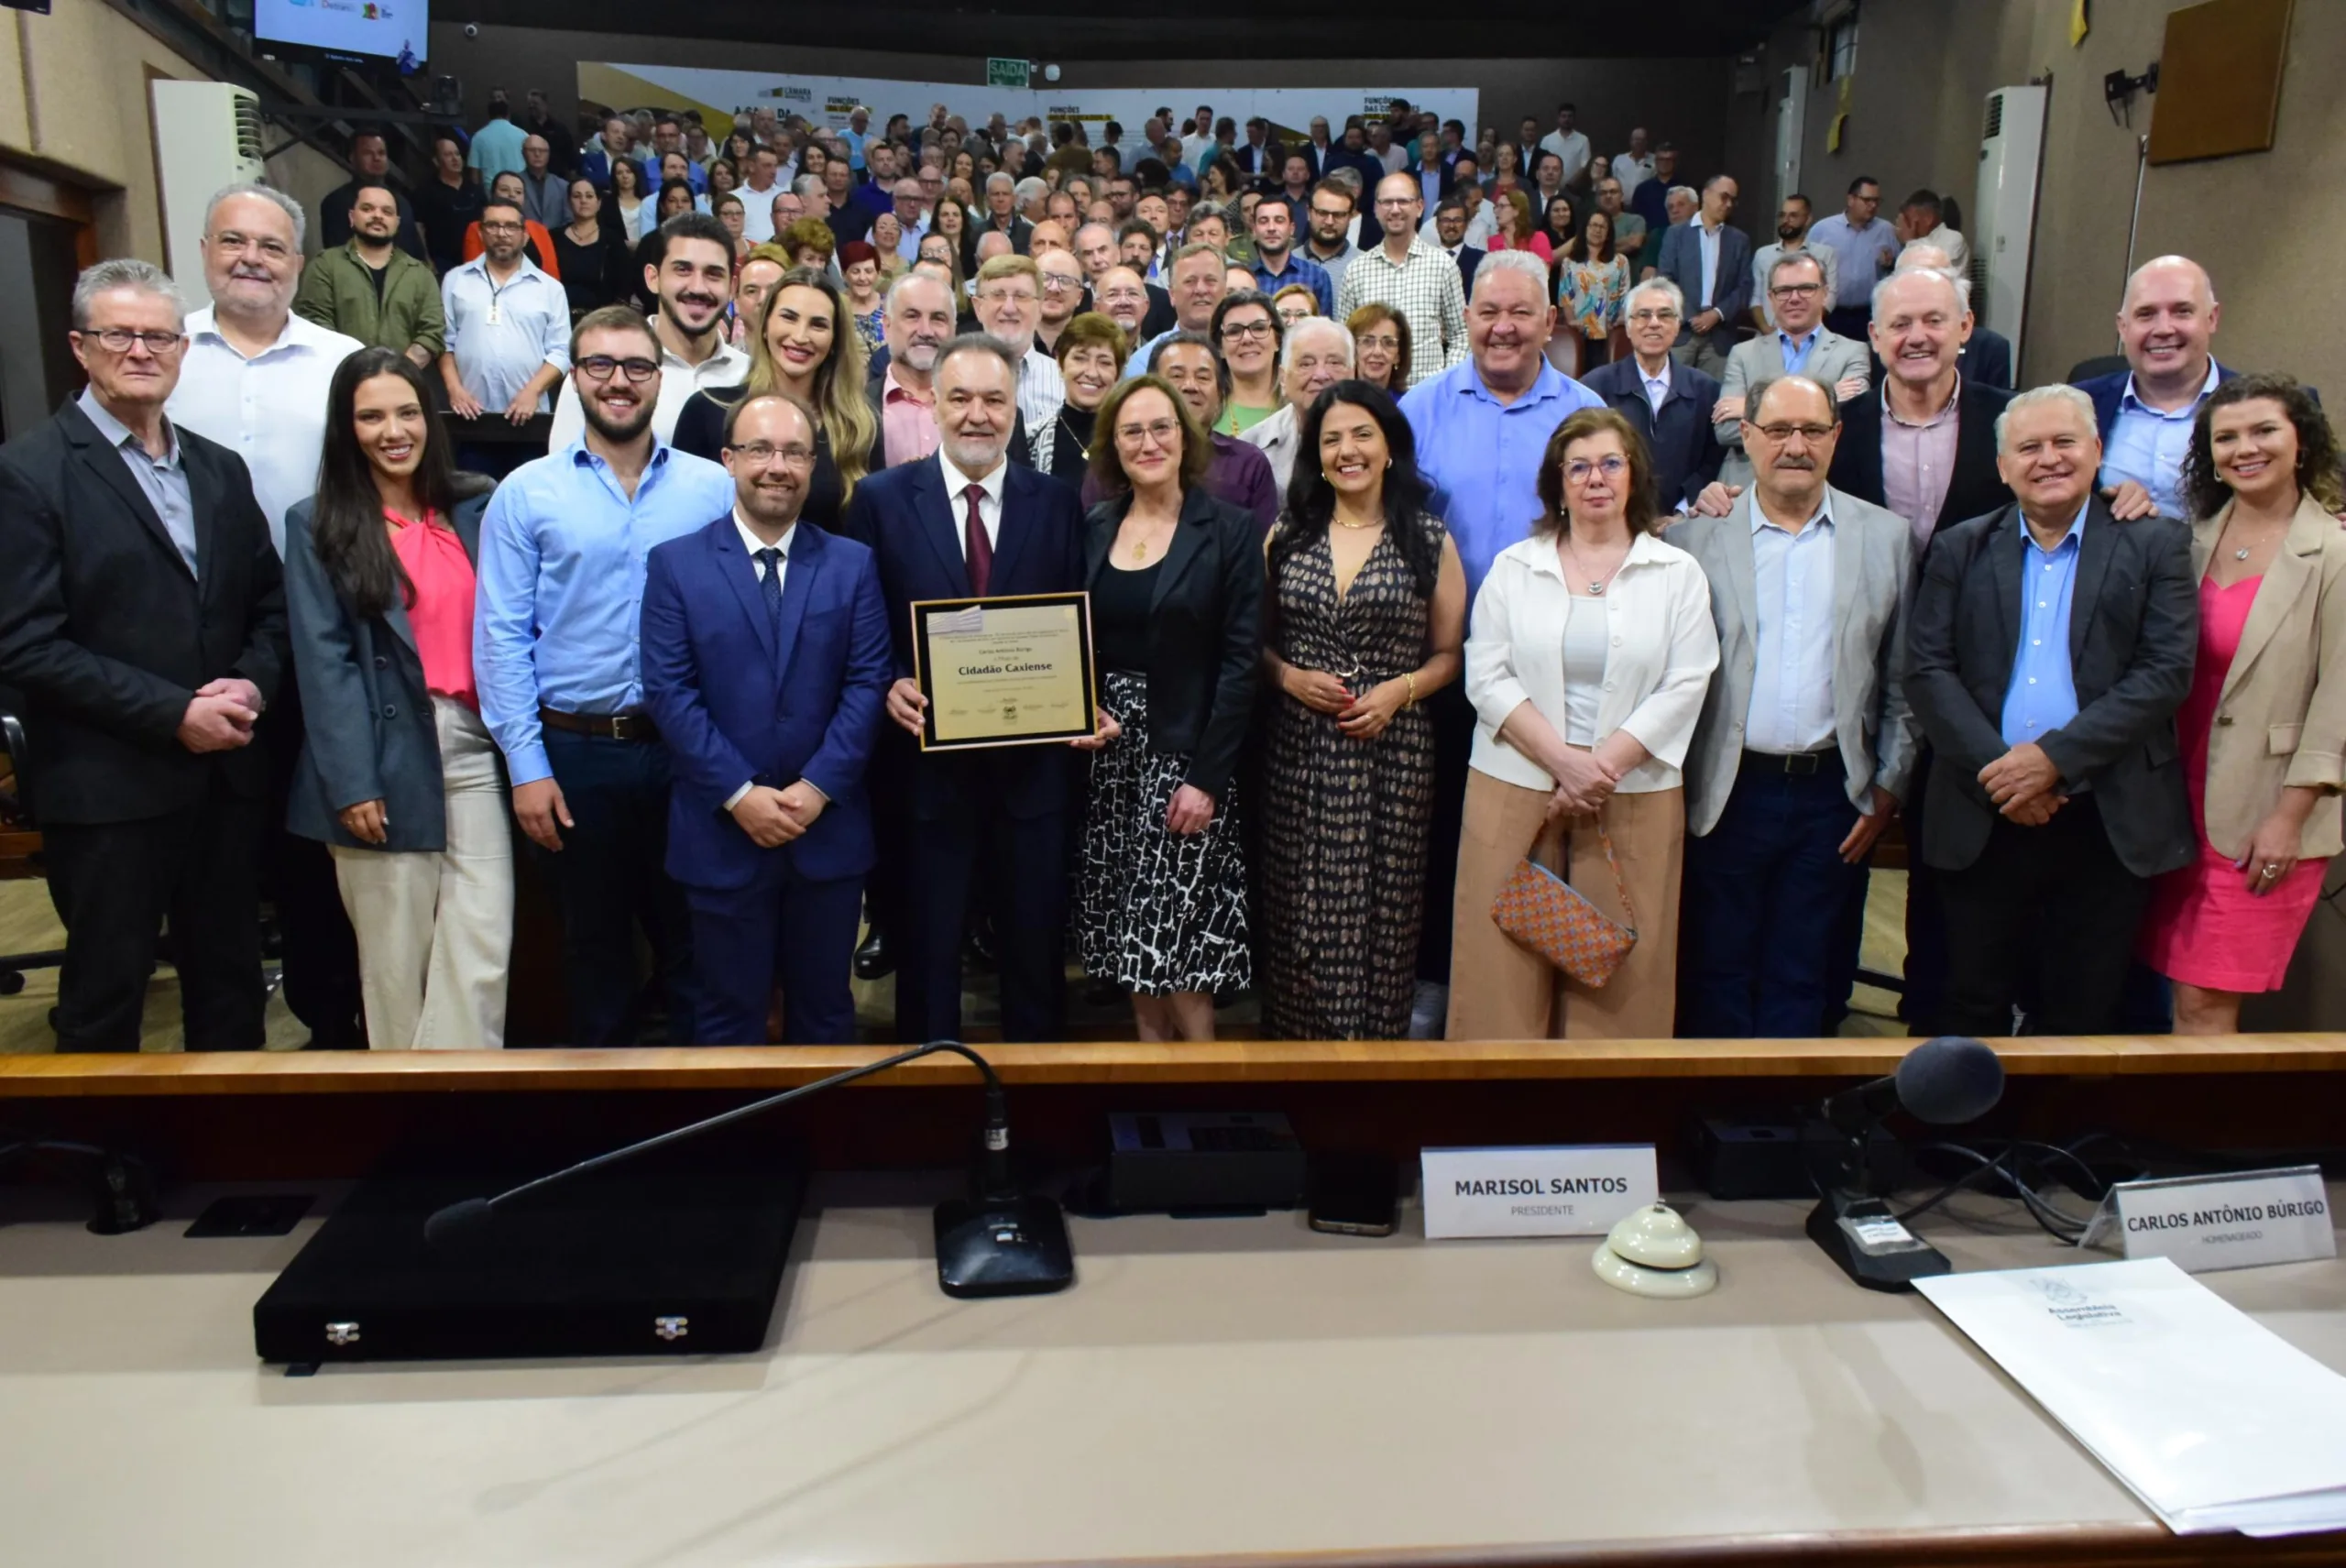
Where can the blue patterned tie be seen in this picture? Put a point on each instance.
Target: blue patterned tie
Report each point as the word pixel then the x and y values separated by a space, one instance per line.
pixel 771 558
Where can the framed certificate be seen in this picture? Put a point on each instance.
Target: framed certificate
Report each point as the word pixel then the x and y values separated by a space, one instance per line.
pixel 1012 671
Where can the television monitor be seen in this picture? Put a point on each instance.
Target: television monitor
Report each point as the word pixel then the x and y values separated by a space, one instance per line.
pixel 377 29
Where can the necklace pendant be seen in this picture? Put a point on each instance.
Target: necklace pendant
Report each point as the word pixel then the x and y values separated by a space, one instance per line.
pixel 1596 590
pixel 2240 555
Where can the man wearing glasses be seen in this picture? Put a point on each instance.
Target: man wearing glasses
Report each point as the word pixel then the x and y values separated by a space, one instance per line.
pixel 142 617
pixel 770 702
pixel 688 270
pixel 1805 744
pixel 555 659
pixel 1798 288
pixel 1010 306
pixel 507 343
pixel 1413 276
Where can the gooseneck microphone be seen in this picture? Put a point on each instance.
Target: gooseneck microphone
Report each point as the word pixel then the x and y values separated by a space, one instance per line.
pixel 1003 1243
pixel 1943 1081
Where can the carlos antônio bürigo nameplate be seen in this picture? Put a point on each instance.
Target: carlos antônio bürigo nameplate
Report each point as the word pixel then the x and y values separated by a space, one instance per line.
pixel 1014 670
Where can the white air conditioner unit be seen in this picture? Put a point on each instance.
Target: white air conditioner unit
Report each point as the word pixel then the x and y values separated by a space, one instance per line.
pixel 2004 213
pixel 207 137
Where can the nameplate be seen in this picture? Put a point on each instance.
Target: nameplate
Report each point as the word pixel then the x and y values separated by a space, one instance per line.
pixel 1568 1191
pixel 2207 1223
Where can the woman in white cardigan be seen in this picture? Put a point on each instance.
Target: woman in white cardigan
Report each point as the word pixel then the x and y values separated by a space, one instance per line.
pixel 1590 649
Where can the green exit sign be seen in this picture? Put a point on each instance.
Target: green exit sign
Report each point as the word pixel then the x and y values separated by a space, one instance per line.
pixel 1005 72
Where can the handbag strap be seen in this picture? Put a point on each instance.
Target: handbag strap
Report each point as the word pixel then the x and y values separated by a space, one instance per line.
pixel 1621 883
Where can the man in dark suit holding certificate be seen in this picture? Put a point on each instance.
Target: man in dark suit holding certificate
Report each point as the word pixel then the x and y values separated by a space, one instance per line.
pixel 765 666
pixel 967 523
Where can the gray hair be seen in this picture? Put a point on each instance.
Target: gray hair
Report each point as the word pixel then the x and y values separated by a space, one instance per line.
pixel 1310 326
pixel 2075 401
pixel 1662 286
pixel 1523 261
pixel 1919 251
pixel 807 185
pixel 1756 393
pixel 998 177
pixel 1030 186
pixel 978 343
pixel 1686 190
pixel 888 300
pixel 269 194
pixel 124 272
pixel 1961 286
pixel 1803 257
pixel 1350 177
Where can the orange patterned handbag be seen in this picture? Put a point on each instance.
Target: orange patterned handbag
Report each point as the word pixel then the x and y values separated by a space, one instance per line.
pixel 1548 915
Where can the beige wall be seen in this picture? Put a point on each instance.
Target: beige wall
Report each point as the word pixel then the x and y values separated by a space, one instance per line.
pixel 74 101
pixel 2265 223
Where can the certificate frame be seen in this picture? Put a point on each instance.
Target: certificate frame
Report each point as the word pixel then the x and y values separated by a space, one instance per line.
pixel 926 673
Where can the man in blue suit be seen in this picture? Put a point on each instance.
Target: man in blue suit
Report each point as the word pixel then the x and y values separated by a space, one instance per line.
pixel 1669 402
pixel 765 666
pixel 1711 263
pixel 968 523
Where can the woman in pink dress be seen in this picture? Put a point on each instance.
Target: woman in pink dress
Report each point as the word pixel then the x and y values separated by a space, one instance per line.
pixel 2262 731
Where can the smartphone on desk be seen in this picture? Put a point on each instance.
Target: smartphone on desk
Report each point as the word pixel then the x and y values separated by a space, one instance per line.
pixel 1353 1195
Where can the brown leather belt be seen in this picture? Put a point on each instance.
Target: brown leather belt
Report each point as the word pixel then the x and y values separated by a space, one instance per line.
pixel 609 726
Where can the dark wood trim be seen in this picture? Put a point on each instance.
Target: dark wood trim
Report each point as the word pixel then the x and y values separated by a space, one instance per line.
pixel 31 191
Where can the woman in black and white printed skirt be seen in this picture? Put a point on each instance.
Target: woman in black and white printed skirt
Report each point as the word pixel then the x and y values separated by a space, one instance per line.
pixel 1175 578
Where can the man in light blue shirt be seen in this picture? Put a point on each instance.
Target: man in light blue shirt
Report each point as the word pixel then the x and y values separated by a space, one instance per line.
pixel 1483 424
pixel 508 334
pixel 497 146
pixel 1805 743
pixel 1482 429
pixel 561 574
pixel 2042 696
pixel 2166 324
pixel 1864 247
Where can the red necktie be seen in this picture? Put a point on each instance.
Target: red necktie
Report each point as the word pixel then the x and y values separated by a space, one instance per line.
pixel 979 547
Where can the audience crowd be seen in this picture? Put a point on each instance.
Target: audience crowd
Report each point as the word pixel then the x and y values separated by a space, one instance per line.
pixel 1452 512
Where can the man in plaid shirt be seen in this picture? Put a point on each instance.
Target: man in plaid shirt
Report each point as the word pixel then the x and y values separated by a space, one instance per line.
pixel 1414 276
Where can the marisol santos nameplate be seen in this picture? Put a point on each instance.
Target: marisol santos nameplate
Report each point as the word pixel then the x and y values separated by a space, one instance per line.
pixel 1013 671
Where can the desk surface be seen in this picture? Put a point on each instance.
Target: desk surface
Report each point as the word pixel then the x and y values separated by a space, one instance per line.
pixel 1236 1389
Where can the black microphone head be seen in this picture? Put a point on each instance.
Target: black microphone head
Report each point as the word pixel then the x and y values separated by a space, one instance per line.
pixel 1950 1080
pixel 458 1222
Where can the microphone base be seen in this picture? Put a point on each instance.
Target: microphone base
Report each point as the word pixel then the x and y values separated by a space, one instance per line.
pixel 1873 1248
pixel 1003 1247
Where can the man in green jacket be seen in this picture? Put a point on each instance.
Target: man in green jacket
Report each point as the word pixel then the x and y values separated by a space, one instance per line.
pixel 371 290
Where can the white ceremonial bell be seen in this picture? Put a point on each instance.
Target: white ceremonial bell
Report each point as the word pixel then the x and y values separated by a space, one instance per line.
pixel 1654 1251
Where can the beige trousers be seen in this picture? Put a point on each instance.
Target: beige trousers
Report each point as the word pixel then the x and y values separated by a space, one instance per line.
pixel 435 927
pixel 1502 991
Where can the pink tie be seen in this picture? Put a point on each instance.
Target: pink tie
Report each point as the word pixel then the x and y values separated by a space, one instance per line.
pixel 980 548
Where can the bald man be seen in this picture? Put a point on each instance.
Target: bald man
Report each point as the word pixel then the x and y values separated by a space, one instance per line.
pixel 2166 324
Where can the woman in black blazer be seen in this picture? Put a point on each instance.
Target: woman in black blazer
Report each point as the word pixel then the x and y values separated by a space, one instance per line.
pixel 397 777
pixel 1176 579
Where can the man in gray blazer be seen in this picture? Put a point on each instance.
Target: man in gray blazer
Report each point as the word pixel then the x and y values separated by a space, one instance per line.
pixel 1805 742
pixel 2050 648
pixel 1801 345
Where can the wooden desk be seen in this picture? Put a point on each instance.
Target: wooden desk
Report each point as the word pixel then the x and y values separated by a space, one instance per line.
pixel 261 1115
pixel 1240 1392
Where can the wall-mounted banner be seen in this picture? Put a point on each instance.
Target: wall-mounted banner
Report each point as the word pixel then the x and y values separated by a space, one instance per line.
pixel 721 93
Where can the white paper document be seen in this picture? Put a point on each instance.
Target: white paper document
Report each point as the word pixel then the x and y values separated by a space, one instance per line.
pixel 2210 1419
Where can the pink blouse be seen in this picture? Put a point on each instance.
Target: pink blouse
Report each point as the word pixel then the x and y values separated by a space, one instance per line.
pixel 442 615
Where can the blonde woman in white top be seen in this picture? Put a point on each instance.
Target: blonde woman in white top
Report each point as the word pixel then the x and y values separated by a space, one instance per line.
pixel 1589 651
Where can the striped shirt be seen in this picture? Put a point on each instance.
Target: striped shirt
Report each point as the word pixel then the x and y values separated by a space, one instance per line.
pixel 1425 288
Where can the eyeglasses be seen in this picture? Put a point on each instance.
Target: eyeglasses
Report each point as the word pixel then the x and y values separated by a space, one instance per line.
pixel 599 367
pixel 1580 471
pixel 761 453
pixel 1005 296
pixel 1794 290
pixel 1160 433
pixel 487 227
pixel 1246 329
pixel 1398 201
pixel 1386 341
pixel 1054 283
pixel 118 340
pixel 237 244
pixel 1653 315
pixel 1810 433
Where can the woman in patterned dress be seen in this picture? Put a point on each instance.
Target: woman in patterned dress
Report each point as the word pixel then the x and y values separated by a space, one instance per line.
pixel 1175 578
pixel 1368 615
